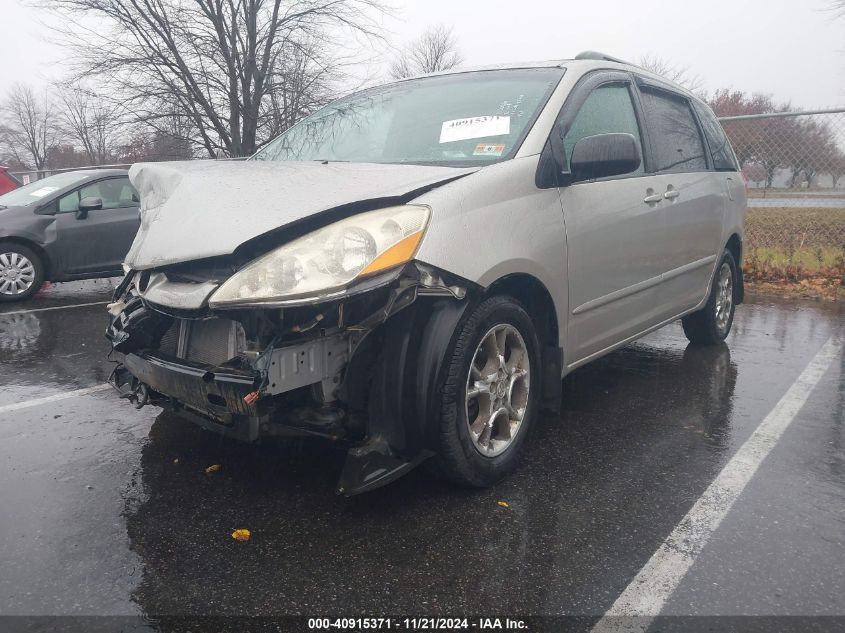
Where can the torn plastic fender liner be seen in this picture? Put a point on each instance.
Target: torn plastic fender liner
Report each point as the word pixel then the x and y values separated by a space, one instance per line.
pixel 402 418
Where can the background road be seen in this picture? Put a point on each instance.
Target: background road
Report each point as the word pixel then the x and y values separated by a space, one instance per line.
pixel 108 510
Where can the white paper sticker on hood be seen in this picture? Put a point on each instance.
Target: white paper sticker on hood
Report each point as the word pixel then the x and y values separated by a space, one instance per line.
pixel 474 127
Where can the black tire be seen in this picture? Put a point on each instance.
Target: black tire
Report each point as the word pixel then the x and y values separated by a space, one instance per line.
pixel 12 248
pixel 458 457
pixel 703 327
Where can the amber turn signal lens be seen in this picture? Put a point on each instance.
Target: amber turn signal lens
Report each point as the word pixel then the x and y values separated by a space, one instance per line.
pixel 397 254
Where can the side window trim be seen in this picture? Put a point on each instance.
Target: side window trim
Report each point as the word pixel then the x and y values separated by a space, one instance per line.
pixel 708 151
pixel 645 133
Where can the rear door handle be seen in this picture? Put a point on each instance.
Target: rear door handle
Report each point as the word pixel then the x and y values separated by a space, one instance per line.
pixel 671 194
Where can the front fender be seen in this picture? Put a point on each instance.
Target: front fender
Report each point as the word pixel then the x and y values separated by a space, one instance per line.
pixel 402 402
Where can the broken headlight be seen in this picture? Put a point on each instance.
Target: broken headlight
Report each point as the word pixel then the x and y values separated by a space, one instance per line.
pixel 328 259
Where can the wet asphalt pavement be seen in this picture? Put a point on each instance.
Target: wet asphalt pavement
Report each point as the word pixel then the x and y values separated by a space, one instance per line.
pixel 107 510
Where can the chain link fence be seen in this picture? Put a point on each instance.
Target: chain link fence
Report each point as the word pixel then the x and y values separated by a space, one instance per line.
pixel 794 166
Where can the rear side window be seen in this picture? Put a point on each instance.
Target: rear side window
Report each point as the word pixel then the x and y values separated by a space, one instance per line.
pixel 720 149
pixel 607 110
pixel 674 133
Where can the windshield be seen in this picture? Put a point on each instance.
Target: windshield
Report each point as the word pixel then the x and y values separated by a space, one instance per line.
pixel 40 189
pixel 456 120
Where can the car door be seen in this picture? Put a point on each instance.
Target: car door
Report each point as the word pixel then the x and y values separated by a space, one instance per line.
pixel 694 197
pixel 614 226
pixel 99 242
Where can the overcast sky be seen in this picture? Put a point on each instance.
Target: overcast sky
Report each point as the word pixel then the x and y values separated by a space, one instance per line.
pixel 792 49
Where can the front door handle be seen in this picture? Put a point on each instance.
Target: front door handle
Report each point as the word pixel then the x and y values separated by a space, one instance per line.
pixel 671 193
pixel 651 197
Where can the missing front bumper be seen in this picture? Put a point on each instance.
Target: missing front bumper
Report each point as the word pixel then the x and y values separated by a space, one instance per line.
pixel 216 392
pixel 364 377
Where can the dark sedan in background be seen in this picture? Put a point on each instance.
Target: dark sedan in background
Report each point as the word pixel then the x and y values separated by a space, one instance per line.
pixel 74 225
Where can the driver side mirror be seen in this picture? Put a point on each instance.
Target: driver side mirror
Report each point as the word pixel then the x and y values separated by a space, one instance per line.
pixel 604 155
pixel 86 205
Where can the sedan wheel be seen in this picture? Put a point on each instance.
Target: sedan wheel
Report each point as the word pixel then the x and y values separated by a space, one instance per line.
pixel 21 274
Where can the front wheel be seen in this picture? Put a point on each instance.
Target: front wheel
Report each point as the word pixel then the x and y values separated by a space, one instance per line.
pixel 490 396
pixel 21 272
pixel 711 324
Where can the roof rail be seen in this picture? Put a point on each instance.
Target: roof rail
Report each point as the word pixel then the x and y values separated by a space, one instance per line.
pixel 601 56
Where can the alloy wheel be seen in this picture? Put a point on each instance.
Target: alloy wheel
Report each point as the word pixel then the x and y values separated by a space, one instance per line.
pixel 497 389
pixel 724 297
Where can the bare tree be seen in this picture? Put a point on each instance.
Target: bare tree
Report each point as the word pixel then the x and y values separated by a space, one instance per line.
pixel 679 74
pixel 30 126
pixel 435 50
pixel 215 61
pixel 170 139
pixel 761 142
pixel 92 122
pixel 304 80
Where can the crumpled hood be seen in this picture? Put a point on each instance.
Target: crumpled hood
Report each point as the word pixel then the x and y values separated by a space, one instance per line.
pixel 199 209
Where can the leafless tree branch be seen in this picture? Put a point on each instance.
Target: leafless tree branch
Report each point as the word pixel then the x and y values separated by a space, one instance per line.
pixel 435 50
pixel 679 74
pixel 218 63
pixel 29 127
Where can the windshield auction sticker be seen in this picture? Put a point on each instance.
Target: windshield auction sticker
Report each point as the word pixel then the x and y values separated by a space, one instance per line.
pixel 474 127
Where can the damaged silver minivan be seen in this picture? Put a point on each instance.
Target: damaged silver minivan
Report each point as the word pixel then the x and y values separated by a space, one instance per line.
pixel 412 269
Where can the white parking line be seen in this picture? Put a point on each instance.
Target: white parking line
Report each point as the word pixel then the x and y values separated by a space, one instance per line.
pixel 73 305
pixel 645 596
pixel 47 399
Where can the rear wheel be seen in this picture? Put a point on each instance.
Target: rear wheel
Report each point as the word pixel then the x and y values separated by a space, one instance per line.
pixel 712 323
pixel 21 272
pixel 490 397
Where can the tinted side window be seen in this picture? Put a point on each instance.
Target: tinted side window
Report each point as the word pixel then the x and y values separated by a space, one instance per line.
pixel 608 109
pixel 723 157
pixel 674 133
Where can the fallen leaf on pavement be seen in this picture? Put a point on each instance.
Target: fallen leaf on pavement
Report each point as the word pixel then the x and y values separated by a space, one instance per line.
pixel 241 534
pixel 212 469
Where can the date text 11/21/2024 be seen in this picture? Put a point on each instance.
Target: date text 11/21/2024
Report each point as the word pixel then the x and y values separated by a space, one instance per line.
pixel 417 624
